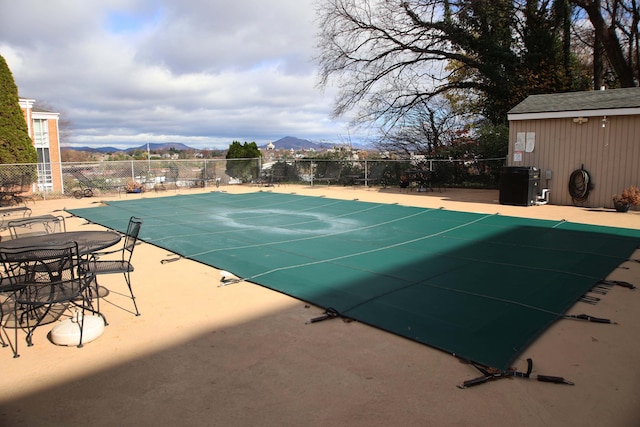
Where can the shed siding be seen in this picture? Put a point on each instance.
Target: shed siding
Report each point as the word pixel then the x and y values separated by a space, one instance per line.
pixel 611 154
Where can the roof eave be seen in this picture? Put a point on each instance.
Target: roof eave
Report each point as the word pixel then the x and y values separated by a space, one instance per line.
pixel 577 113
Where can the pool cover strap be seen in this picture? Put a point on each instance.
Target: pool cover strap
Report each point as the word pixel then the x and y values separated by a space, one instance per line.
pixel 617 283
pixel 589 318
pixel 330 313
pixel 490 374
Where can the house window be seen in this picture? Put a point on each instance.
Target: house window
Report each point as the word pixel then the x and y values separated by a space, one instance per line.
pixel 41 142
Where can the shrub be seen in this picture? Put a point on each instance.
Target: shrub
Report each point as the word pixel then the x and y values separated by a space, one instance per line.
pixel 630 195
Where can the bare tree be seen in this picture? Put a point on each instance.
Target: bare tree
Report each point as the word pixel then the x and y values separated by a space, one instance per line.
pixel 616 37
pixel 370 41
pixel 385 56
pixel 425 129
pixel 388 57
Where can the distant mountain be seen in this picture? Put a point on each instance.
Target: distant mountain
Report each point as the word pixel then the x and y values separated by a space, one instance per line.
pixel 291 142
pixel 164 146
pixel 93 149
pixel 152 147
pixel 287 143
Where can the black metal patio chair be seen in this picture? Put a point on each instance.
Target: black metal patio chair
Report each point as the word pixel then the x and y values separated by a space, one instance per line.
pixel 328 172
pixel 46 280
pixel 121 265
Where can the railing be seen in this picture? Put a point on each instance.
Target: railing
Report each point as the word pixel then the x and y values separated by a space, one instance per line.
pixel 100 177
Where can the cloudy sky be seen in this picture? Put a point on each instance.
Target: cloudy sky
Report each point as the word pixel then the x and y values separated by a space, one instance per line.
pixel 201 72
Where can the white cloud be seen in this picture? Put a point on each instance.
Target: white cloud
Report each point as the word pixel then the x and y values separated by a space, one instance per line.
pixel 200 72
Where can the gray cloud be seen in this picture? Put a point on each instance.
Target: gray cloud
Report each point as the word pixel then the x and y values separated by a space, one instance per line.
pixel 200 72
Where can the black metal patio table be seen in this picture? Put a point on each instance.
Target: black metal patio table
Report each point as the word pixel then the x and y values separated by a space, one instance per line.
pixel 88 240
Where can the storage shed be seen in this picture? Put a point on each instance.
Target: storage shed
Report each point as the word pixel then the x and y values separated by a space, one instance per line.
pixel 592 137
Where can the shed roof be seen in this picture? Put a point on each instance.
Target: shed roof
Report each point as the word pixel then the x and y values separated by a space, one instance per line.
pixel 598 100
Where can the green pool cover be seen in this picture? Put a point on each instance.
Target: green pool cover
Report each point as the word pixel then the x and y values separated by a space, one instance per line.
pixel 481 287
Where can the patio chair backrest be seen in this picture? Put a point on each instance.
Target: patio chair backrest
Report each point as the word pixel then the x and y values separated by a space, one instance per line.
pixel 49 273
pixel 36 226
pixel 131 237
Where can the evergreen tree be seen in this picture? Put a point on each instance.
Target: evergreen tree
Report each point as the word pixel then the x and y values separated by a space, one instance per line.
pixel 244 166
pixel 15 144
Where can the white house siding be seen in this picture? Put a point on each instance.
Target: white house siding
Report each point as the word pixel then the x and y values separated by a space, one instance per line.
pixel 611 154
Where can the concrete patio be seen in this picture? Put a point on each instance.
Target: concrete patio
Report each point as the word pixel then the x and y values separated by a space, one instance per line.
pixel 242 355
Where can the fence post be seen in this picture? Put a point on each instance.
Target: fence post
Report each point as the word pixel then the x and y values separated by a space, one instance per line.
pixel 204 174
pixel 366 173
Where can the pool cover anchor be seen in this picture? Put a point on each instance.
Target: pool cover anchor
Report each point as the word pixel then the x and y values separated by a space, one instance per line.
pixel 228 278
pixel 329 313
pixel 490 374
pixel 168 260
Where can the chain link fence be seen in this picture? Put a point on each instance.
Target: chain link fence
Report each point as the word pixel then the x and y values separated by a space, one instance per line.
pixel 88 179
pixel 477 173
